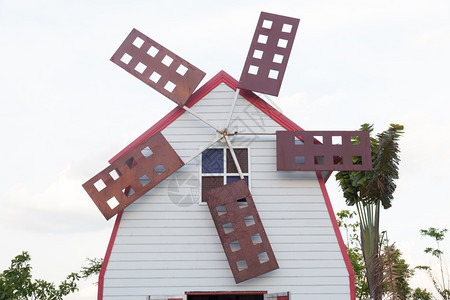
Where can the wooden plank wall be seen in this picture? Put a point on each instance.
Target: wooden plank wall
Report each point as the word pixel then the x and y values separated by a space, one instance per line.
pixel 167 244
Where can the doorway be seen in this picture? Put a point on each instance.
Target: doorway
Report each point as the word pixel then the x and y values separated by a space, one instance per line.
pixel 225 296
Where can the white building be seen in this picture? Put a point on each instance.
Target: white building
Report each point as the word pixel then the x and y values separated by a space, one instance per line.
pixel 165 244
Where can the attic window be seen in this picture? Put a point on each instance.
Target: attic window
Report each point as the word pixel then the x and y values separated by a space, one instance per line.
pixel 218 167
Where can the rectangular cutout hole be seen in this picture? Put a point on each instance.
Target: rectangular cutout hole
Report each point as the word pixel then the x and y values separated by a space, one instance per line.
pixel 356 140
pixel 357 160
pixel 336 140
pixel 146 152
pixel 167 60
pixel 253 70
pixel 273 74
pixel 99 185
pixel 138 42
pixel 128 191
pixel 152 51
pixel 287 28
pixel 267 24
pixel 144 180
pixel 258 54
pixel 298 140
pixel 337 159
pixel 114 175
pixel 242 203
pixel 299 159
pixel 160 169
pixel 319 159
pixel 126 58
pixel 129 162
pixel 242 265
pixel 182 70
pixel 249 221
pixel 282 43
pixel 155 77
pixel 263 257
pixel 256 239
pixel 235 246
pixel 221 210
pixel 140 67
pixel 112 203
pixel 262 39
pixel 170 86
pixel 228 227
pixel 318 138
pixel 278 58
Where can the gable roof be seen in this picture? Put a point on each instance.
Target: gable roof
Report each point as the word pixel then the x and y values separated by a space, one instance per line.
pixel 285 122
pixel 221 77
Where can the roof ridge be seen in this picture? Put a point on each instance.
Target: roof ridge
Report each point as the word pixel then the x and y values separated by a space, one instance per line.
pixel 221 77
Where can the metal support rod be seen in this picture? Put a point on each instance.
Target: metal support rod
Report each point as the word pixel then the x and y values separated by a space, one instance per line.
pixel 232 108
pixel 254 133
pixel 238 167
pixel 200 118
pixel 215 140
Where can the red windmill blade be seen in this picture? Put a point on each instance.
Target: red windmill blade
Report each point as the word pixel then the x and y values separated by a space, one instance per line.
pixel 158 67
pixel 269 53
pixel 133 175
pixel 323 151
pixel 241 231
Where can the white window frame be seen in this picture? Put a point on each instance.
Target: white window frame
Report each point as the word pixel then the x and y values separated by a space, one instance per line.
pixel 225 174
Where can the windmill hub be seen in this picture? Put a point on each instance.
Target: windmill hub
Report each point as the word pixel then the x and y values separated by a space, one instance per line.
pixel 224 133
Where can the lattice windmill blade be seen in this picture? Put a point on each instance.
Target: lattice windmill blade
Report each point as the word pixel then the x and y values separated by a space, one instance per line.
pixel 232 208
pixel 158 67
pixel 269 53
pixel 323 151
pixel 133 175
pixel 241 231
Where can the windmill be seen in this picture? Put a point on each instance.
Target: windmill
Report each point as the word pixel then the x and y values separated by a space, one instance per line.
pixel 232 208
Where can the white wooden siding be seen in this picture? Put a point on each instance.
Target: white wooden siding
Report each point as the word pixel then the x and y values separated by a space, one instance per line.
pixel 167 245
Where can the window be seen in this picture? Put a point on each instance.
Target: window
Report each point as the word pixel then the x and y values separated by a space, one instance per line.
pixel 218 167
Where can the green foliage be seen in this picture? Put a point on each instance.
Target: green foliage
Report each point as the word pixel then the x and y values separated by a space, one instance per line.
pixel 441 284
pixel 345 220
pixel 420 294
pixel 368 190
pixel 378 184
pixel 357 261
pixel 396 273
pixel 16 282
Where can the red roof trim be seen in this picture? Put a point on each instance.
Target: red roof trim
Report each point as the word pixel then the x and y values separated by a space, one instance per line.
pixel 101 276
pixel 270 111
pixel 348 264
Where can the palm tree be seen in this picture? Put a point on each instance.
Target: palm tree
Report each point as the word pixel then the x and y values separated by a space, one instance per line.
pixel 368 191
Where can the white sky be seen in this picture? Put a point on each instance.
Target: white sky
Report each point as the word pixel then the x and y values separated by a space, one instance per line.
pixel 66 109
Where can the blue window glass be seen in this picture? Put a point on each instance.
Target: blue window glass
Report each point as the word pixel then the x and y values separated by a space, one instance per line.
pixel 231 179
pixel 212 161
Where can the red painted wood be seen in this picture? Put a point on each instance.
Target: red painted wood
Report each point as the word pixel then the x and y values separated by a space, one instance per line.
pixel 158 67
pixel 138 171
pixel 226 210
pixel 324 155
pixel 269 53
pixel 101 276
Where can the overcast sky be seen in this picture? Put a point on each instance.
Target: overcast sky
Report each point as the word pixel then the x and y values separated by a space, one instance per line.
pixel 66 109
